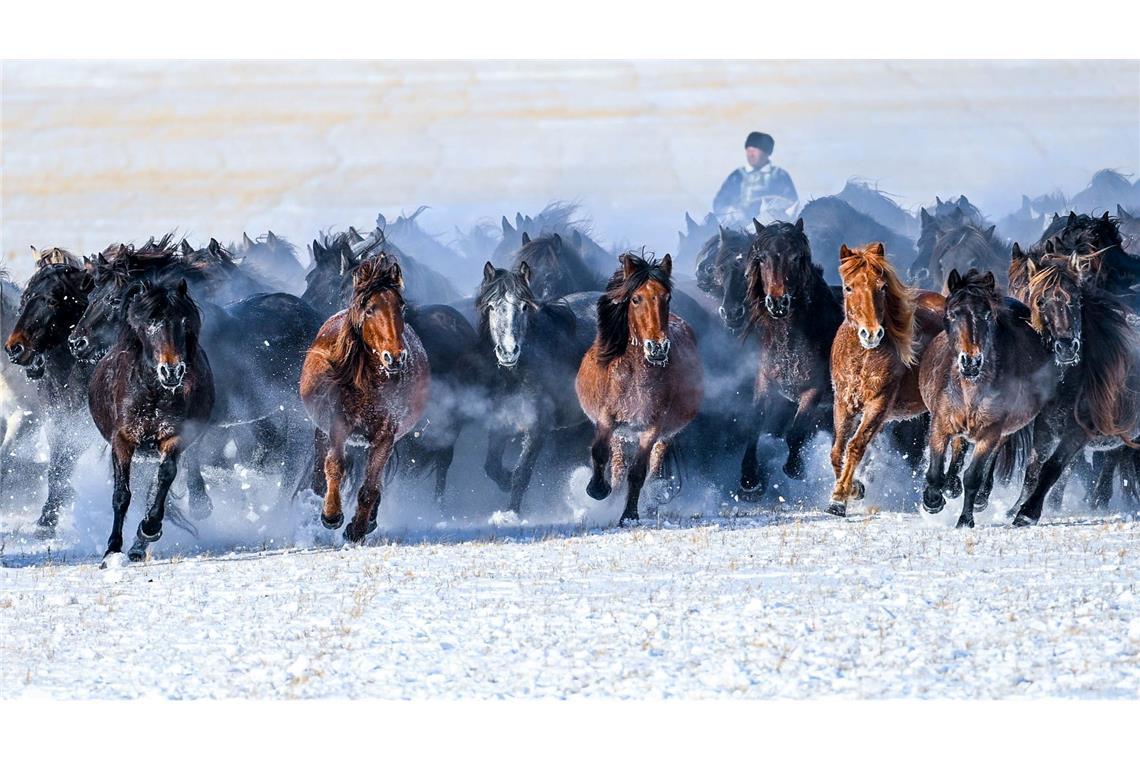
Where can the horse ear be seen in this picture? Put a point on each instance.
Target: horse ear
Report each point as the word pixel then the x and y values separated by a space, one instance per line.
pixel 759 227
pixel 524 272
pixel 489 271
pixel 1030 266
pixel 1106 217
pixel 245 240
pixel 800 224
pixel 988 280
pixel 1072 217
pixel 990 231
pixel 954 281
pixel 1121 213
pixel 215 247
pixel 525 238
pixel 938 200
pixel 1025 202
pixel 1049 247
pixel 626 265
pixel 556 241
pixel 270 238
pixel 844 251
pixel 576 239
pixel 87 284
pixel 1015 252
pixel 185 248
pixel 381 221
pixel 878 249
pixel 519 221
pixel 924 217
pixel 507 228
pixel 690 224
pixel 398 274
pixel 667 265
pixel 1056 216
pixel 962 202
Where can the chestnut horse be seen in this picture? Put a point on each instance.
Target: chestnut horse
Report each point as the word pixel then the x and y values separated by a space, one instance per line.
pixel 153 392
pixel 365 378
pixel 642 376
pixel 874 360
pixel 984 380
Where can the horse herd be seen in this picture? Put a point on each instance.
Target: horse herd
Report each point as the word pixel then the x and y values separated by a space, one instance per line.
pixel 176 352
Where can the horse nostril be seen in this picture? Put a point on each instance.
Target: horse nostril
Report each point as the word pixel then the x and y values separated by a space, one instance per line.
pixel 863 333
pixel 879 333
pixel 402 357
pixel 14 351
pixel 179 370
pixel 386 357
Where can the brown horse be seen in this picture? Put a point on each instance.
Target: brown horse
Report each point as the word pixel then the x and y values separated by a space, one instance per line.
pixel 984 379
pixel 641 378
pixel 365 379
pixel 874 359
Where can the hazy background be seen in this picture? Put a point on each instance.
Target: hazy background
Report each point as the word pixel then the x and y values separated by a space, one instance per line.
pixel 97 152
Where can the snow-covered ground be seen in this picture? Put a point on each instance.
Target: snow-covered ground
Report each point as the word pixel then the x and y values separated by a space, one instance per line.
pixel 774 603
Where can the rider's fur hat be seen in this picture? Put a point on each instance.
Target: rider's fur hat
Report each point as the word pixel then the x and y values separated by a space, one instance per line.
pixel 760 140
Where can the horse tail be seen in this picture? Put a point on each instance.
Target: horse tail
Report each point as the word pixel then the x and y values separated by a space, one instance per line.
pixel 1013 454
pixel 178 518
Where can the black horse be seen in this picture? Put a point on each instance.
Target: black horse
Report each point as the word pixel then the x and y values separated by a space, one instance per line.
pixel 954 240
pixel 1099 245
pixel 795 316
pixel 556 218
pixel 557 266
pixel 272 260
pixel 830 222
pixel 531 351
pixel 721 273
pixel 54 299
pixel 154 392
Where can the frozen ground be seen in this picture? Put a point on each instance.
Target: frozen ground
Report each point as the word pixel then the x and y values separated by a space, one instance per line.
pixel 773 602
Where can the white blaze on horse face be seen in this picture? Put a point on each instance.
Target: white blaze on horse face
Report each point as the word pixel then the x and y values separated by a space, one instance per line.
pixel 507 322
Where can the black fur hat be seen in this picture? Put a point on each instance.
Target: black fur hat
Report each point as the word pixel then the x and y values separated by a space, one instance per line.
pixel 760 140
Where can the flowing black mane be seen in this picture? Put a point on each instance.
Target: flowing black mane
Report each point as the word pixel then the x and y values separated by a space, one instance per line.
pixel 613 305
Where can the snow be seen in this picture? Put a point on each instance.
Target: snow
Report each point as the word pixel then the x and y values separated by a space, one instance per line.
pixel 776 603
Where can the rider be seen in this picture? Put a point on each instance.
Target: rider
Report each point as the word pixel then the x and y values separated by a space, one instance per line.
pixel 759 189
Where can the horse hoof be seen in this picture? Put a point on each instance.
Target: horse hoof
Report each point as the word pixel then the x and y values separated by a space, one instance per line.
pixel 371 527
pixel 794 469
pixel 837 508
pixel 137 552
pixel 44 532
pixel 953 488
pixel 353 535
pixel 1024 521
pixel 629 519
pixel 858 490
pixel 981 501
pixel 332 524
pixel 666 490
pixel 598 489
pixel 147 539
pixel 965 522
pixel 111 560
pixel 933 501
pixel 48 521
pixel 201 509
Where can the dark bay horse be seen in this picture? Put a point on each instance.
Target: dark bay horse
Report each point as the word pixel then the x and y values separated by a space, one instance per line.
pixel 722 264
pixel 875 359
pixel 956 240
pixel 533 350
pixel 984 380
pixel 641 378
pixel 559 218
pixel 1098 397
pixel 1098 242
pixel 794 314
pixel 365 380
pixel 153 392
pixel 556 264
pixel 51 304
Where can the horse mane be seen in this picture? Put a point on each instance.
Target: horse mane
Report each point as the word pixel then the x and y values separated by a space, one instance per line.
pixel 552 250
pixel 613 304
pixel 349 358
pixel 1108 395
pixel 900 304
pixel 54 255
pixel 977 284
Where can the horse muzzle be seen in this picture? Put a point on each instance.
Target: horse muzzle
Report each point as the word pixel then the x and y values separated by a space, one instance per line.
pixel 732 317
pixel 82 349
pixel 779 307
pixel 1066 353
pixel 507 358
pixel 170 375
pixel 970 365
pixel 657 352
pixel 394 364
pixel 19 354
pixel 869 339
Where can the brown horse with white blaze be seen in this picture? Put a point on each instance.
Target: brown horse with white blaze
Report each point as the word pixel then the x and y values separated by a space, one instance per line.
pixel 365 380
pixel 641 378
pixel 874 359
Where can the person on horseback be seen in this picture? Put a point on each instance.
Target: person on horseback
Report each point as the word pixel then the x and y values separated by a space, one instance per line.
pixel 758 190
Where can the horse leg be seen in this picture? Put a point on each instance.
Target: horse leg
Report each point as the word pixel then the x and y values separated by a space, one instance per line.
pixel 150 527
pixel 658 469
pixel 520 478
pixel 201 506
pixel 1105 463
pixel 493 463
pixel 331 515
pixel 798 433
pixel 368 496
pixel 1030 511
pixel 598 488
pixel 122 451
pixel 753 478
pixel 320 453
pixel 981 467
pixel 952 483
pixel 1043 444
pixel 60 465
pixel 443 465
pixel 844 423
pixel 637 473
pixel 933 499
pixel 874 414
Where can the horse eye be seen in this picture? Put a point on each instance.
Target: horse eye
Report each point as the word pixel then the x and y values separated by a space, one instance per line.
pixel 847 288
pixel 636 300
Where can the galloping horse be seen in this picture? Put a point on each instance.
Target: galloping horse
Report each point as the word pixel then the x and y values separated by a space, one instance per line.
pixel 641 377
pixel 955 240
pixel 1098 398
pixel 533 350
pixel 874 360
pixel 722 265
pixel 984 379
pixel 153 392
pixel 557 266
pixel 51 304
pixel 795 314
pixel 365 379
